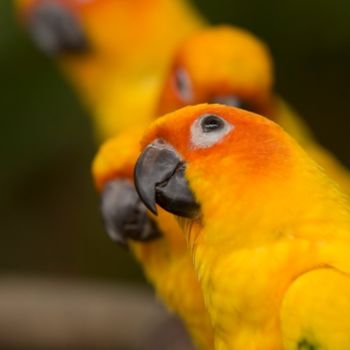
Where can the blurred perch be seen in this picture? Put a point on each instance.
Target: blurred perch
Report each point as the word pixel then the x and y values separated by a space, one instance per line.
pixel 37 313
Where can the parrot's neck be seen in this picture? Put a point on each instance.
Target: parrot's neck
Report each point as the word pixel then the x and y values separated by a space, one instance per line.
pixel 247 256
pixel 111 95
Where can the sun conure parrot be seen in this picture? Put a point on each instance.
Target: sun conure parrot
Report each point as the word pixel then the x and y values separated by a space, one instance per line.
pixel 115 52
pixel 158 245
pixel 247 62
pixel 228 65
pixel 268 231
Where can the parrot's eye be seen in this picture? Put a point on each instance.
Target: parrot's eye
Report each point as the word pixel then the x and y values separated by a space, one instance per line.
pixel 209 129
pixel 211 123
pixel 183 85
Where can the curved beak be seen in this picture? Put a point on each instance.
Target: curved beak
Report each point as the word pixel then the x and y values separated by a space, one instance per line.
pixel 160 178
pixel 55 29
pixel 124 215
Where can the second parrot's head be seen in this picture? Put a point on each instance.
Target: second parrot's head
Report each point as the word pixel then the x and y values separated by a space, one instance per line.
pixel 220 65
pixel 214 161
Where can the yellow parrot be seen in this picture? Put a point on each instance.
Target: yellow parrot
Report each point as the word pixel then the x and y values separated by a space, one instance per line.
pixel 268 231
pixel 244 77
pixel 115 52
pixel 158 244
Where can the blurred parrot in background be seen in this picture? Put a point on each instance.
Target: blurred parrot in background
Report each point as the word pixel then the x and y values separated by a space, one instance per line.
pixel 158 245
pixel 268 231
pixel 114 52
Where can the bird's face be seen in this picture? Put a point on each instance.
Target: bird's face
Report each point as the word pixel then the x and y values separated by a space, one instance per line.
pixel 212 160
pixel 220 65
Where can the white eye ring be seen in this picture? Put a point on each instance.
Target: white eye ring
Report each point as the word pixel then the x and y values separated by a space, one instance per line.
pixel 209 129
pixel 183 85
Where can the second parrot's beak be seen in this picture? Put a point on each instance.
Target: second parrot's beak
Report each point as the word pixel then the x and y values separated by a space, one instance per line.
pixel 124 215
pixel 160 178
pixel 55 29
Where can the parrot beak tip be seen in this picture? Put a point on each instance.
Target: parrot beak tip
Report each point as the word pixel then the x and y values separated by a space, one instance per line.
pixel 146 193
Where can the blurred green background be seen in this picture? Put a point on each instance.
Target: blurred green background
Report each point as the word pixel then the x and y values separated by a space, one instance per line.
pixel 50 222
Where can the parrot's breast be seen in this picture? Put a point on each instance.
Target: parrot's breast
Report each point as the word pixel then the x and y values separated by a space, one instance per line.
pixel 245 290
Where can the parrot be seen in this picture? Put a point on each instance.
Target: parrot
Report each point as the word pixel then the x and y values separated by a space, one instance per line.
pixel 244 78
pixel 113 52
pixel 228 65
pixel 268 230
pixel 158 245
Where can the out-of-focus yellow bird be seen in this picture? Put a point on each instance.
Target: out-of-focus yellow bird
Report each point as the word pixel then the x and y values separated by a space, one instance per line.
pixel 114 52
pixel 158 244
pixel 269 232
pixel 231 66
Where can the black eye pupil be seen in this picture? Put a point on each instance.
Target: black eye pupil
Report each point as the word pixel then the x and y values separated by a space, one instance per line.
pixel 211 123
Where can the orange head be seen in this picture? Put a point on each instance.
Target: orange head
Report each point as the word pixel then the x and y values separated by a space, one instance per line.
pixel 215 161
pixel 220 65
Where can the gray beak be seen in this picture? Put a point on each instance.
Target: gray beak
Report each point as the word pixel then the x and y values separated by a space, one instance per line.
pixel 55 29
pixel 124 215
pixel 160 178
